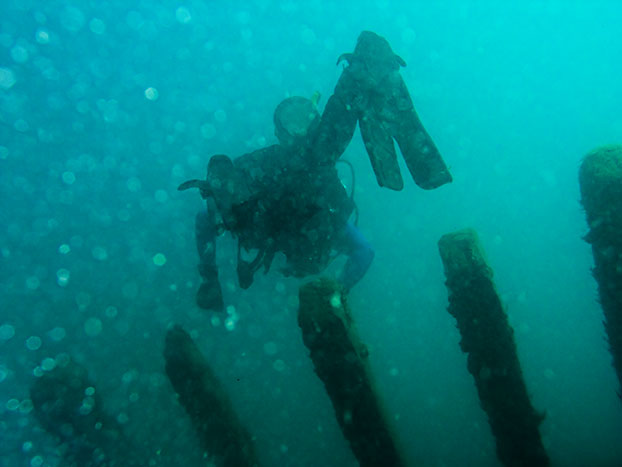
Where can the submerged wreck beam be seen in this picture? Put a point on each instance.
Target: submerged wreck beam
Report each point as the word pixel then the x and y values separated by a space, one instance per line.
pixel 488 340
pixel 340 360
pixel 221 434
pixel 68 406
pixel 600 178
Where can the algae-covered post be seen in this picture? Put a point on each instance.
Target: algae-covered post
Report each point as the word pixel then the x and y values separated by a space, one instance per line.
pixel 68 406
pixel 220 432
pixel 488 340
pixel 340 360
pixel 600 178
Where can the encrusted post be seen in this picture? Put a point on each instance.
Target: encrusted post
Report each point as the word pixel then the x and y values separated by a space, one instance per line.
pixel 221 434
pixel 488 340
pixel 340 360
pixel 69 407
pixel 600 178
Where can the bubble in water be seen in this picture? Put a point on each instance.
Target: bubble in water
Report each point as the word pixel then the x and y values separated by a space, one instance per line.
pixel 42 36
pixel 220 116
pixel 97 26
pixel 64 249
pixel 6 332
pixel 7 78
pixel 83 299
pixel 92 327
pixel 129 376
pixel 48 364
pixel 111 311
pixel 89 391
pixel 26 446
pixel 230 324
pixel 33 282
pixel 307 36
pixel 62 277
pixel 178 171
pixel 208 131
pixel 134 20
pixel 12 404
pixel 21 125
pixel 57 334
pixel 26 406
pixel 72 19
pixel 87 406
pixel 63 359
pixel 99 253
pixel 33 343
pixel 270 348
pixel 279 365
pixel 161 196
pixel 68 177
pixel 159 259
pixel 124 215
pixel 151 94
pixel 183 15
pixel 19 54
pixel 36 461
pixel 3 373
pixel 335 300
pixel 133 184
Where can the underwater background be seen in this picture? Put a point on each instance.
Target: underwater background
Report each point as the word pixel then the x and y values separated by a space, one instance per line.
pixel 106 106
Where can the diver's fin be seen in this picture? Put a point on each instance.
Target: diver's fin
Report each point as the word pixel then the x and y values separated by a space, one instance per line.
pixel 424 161
pixel 377 92
pixel 381 150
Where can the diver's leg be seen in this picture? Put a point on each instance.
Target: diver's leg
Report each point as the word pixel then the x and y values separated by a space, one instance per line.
pixel 374 92
pixel 209 295
pixel 336 126
pixel 360 255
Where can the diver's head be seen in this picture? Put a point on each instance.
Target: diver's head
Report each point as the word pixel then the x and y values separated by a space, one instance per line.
pixel 295 121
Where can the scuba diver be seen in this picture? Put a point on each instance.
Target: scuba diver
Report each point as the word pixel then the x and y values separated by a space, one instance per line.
pixel 288 198
pixel 274 200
